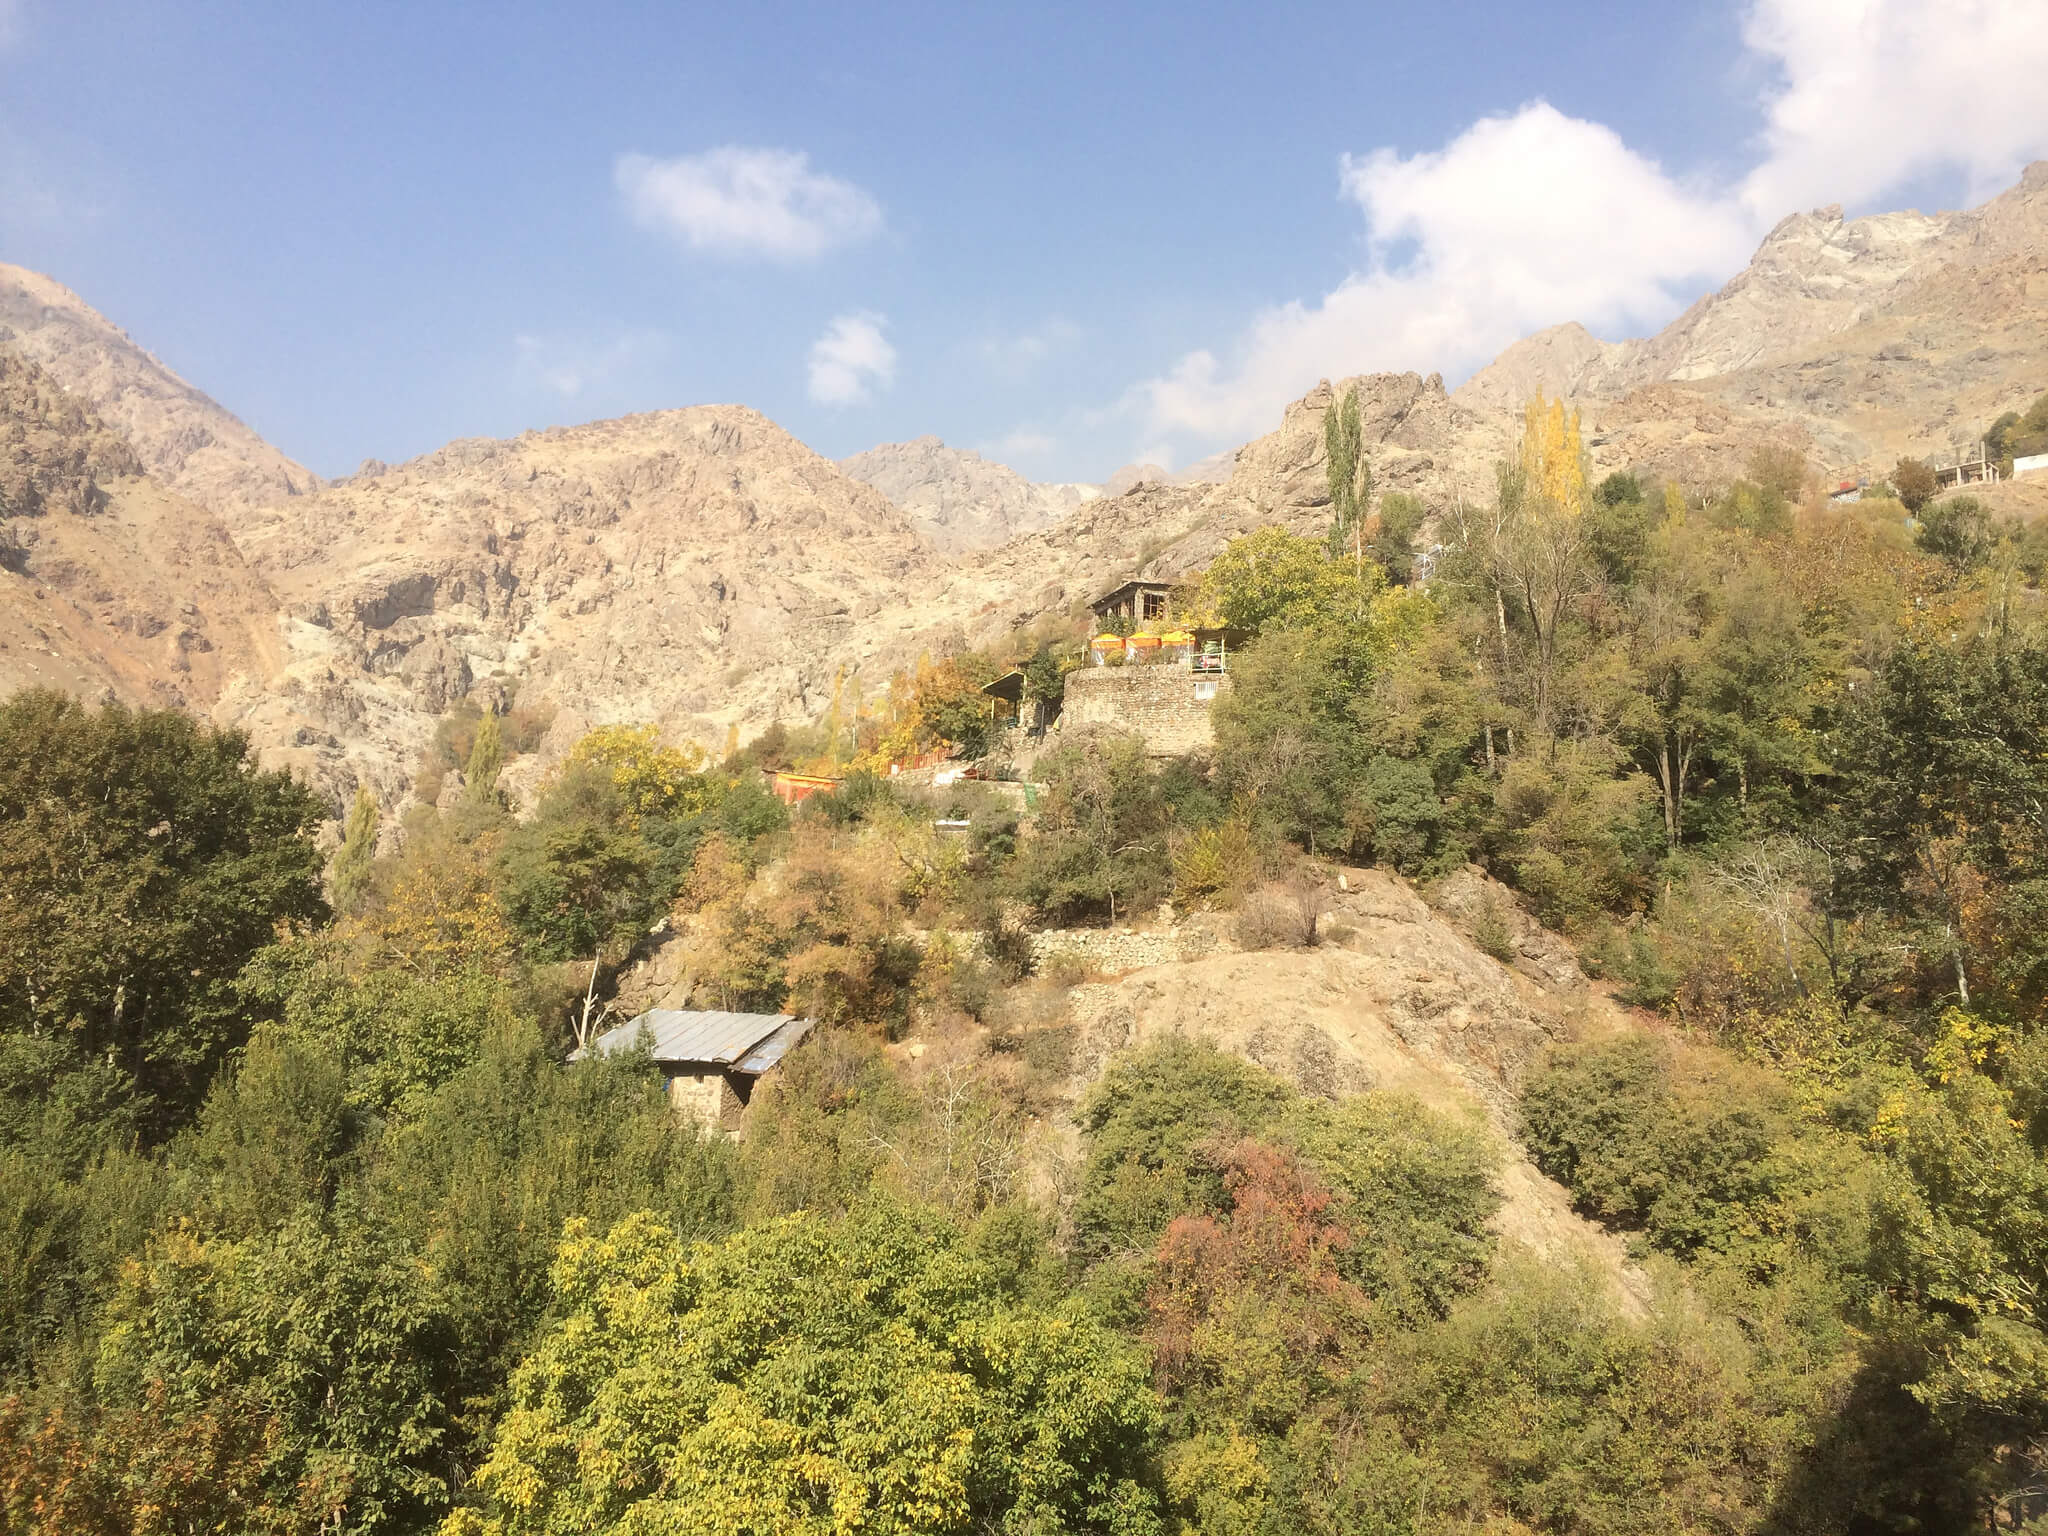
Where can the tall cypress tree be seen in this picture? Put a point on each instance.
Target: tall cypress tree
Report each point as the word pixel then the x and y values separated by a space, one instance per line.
pixel 1350 477
pixel 348 877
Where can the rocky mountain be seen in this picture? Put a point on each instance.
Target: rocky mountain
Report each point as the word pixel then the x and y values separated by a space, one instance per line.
pixel 960 500
pixel 702 569
pixel 1213 470
pixel 1420 440
pixel 187 442
pixel 1858 340
pixel 111 586
pixel 698 568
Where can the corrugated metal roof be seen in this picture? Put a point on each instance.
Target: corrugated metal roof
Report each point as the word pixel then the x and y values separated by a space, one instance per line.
pixel 774 1048
pixel 720 1039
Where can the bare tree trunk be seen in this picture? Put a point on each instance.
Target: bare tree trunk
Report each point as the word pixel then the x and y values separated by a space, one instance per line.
pixel 1668 791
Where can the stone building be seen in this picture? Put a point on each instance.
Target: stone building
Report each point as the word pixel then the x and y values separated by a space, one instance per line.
pixel 1136 601
pixel 709 1060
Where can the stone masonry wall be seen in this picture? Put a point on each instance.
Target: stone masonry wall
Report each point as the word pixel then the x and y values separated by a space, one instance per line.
pixel 1168 705
pixel 1105 950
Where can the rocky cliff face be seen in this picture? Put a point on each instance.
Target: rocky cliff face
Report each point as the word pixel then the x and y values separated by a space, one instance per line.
pixel 188 443
pixel 110 586
pixel 697 568
pixel 958 499
pixel 1858 340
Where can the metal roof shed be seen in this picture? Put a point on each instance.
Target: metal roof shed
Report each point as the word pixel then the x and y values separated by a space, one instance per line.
pixel 709 1059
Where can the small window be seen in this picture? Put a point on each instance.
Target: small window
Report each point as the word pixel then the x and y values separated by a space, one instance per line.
pixel 1155 604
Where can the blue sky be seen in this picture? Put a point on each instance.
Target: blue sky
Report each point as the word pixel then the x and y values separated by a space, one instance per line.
pixel 1069 236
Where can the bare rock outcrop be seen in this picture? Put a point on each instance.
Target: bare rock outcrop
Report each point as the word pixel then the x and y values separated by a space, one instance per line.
pixel 959 500
pixel 1856 340
pixel 110 586
pixel 700 569
pixel 191 445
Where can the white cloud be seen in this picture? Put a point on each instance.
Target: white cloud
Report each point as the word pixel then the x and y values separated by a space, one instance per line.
pixel 738 201
pixel 1534 218
pixel 1519 222
pixel 1875 93
pixel 569 367
pixel 852 360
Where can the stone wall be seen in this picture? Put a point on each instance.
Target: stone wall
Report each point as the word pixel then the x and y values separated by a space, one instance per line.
pixel 1165 703
pixel 708 1097
pixel 1107 951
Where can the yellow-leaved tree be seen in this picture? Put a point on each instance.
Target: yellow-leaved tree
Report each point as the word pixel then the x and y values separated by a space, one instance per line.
pixel 653 779
pixel 1553 458
pixel 1535 547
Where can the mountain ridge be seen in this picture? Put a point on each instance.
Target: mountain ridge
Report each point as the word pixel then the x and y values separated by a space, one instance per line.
pixel 187 440
pixel 703 569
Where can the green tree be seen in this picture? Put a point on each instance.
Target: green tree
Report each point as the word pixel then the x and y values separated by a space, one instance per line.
pixel 1942 779
pixel 1349 473
pixel 1414 1190
pixel 1914 481
pixel 1273 579
pixel 813 1376
pixel 1956 529
pixel 486 758
pixel 581 876
pixel 1146 1123
pixel 353 867
pixel 1393 529
pixel 330 1330
pixel 1101 846
pixel 143 860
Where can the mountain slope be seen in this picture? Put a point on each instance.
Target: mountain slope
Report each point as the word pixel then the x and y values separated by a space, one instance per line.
pixel 1860 340
pixel 696 568
pixel 187 442
pixel 109 584
pixel 960 500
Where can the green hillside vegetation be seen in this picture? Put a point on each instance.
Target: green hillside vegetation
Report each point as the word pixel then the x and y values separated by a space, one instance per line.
pixel 307 1223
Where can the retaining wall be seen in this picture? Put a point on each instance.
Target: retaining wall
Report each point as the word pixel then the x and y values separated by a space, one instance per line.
pixel 1165 703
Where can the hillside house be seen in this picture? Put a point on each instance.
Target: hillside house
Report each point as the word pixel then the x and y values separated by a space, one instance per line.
pixel 1159 683
pixel 1135 601
pixel 1008 704
pixel 709 1060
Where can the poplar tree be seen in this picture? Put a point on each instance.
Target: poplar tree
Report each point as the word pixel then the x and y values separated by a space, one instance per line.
pixel 1350 475
pixel 348 877
pixel 486 757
